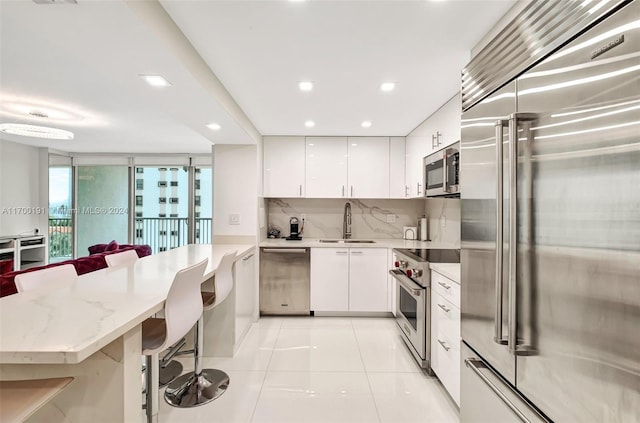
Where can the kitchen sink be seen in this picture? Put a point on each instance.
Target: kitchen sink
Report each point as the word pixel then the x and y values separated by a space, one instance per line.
pixel 348 241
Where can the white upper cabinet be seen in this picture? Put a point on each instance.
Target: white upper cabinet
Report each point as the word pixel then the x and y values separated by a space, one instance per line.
pixel 368 167
pixel 437 132
pixel 397 186
pixel 326 167
pixel 284 167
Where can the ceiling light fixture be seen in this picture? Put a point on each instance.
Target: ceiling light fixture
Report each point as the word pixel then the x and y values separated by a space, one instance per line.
pixel 35 131
pixel 156 80
pixel 366 124
pixel 309 124
pixel 305 85
pixel 387 86
pixel 214 126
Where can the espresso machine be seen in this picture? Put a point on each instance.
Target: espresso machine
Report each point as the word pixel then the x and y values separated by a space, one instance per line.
pixel 295 230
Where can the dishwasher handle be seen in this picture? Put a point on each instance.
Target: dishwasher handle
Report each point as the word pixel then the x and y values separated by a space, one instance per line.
pixel 285 250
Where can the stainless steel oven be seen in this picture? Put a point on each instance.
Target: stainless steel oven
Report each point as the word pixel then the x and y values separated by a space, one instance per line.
pixel 442 172
pixel 413 297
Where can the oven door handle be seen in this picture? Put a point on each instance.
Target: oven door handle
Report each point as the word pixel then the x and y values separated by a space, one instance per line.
pixel 407 283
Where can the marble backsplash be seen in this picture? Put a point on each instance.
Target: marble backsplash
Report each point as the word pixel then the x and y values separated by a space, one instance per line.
pixel 324 216
pixel 443 215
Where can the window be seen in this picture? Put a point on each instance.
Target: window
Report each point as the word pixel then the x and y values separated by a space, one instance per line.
pixel 197 233
pixel 173 215
pixel 162 184
pixel 162 169
pixel 173 200
pixel 162 200
pixel 197 215
pixel 139 233
pixel 139 200
pixel 139 170
pixel 162 233
pixel 197 200
pixel 138 214
pixel 162 215
pixel 162 249
pixel 174 183
pixel 197 183
pixel 174 233
pixel 139 183
pixel 174 169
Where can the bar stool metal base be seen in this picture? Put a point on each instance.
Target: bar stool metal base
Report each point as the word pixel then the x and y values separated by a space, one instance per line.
pixel 168 373
pixel 191 390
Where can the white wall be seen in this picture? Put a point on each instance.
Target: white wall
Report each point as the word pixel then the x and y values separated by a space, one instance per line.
pixel 24 185
pixel 235 191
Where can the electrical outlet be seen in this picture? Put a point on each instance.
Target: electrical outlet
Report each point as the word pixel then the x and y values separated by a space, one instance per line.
pixel 234 219
pixel 391 218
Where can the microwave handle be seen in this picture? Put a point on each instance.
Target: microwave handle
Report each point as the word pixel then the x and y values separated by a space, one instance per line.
pixel 445 184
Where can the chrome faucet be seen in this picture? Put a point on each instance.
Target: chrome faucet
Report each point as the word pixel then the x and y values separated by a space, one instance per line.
pixel 346 221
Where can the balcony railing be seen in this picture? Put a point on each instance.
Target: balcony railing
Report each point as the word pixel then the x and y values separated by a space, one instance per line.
pixel 166 233
pixel 60 239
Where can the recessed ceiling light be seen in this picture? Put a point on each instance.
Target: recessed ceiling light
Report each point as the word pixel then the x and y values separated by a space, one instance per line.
pixel 387 86
pixel 305 85
pixel 366 124
pixel 214 126
pixel 309 124
pixel 156 80
pixel 35 131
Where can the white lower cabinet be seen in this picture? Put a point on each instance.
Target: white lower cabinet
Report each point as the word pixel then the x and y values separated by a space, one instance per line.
pixel 349 279
pixel 246 303
pixel 445 334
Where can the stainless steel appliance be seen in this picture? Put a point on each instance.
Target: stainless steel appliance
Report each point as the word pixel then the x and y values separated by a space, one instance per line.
pixel 551 219
pixel 285 276
pixel 442 172
pixel 413 297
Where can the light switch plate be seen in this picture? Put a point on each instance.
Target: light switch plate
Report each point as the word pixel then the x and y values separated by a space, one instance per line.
pixel 234 219
pixel 391 218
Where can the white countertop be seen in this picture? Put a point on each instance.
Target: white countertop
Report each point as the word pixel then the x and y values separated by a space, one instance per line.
pixel 67 322
pixel 450 270
pixel 379 243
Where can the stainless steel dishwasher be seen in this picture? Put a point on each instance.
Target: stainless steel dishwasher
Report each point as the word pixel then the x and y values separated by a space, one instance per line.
pixel 285 280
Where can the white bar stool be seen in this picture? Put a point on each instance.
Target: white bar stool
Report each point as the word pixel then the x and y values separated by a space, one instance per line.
pixel 204 385
pixel 169 369
pixel 36 279
pixel 182 309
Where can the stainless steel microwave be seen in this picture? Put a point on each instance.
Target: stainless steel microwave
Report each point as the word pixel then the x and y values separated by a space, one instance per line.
pixel 442 172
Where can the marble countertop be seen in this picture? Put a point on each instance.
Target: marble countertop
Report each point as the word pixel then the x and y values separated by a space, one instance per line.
pixel 450 270
pixel 379 243
pixel 67 321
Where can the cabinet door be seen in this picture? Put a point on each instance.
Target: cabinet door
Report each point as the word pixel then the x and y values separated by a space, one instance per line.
pixel 246 305
pixel 397 157
pixel 284 164
pixel 416 150
pixel 447 122
pixel 368 279
pixel 368 167
pixel 326 167
pixel 330 279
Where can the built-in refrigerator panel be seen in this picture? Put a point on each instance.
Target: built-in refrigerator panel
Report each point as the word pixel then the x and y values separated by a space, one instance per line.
pixel 483 158
pixel 578 226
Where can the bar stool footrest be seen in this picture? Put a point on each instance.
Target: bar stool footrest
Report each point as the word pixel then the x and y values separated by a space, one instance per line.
pixel 191 390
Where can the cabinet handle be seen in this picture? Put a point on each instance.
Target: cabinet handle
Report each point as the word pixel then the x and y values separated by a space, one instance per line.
pixel 300 190
pixel 442 306
pixel 433 141
pixel 443 345
pixel 341 252
pixel 351 191
pixel 444 285
pixel 247 257
pixel 406 190
pixel 343 190
pixel 438 134
pixel 418 188
pixel 357 252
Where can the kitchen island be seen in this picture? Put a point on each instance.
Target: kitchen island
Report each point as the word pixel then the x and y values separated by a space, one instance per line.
pixel 90 329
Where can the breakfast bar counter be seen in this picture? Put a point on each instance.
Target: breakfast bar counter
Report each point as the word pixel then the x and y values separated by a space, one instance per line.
pixel 90 329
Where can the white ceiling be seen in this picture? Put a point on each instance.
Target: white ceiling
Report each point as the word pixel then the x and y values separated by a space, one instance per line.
pixel 87 57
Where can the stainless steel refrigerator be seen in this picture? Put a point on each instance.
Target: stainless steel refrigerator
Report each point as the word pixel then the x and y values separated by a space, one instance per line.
pixel 550 201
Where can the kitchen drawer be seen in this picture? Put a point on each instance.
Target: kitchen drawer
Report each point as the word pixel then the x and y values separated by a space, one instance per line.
pixel 447 318
pixel 445 287
pixel 448 368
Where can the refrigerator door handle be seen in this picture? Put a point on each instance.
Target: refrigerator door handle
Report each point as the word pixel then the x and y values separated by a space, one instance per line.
pixel 515 121
pixel 498 336
pixel 525 413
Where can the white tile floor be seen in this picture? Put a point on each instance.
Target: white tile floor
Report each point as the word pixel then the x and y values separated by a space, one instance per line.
pixel 321 369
